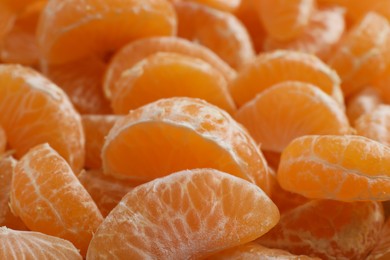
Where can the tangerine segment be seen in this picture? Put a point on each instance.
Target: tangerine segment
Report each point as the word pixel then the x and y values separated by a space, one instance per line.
pixel 28 98
pixel 363 53
pixel 319 37
pixel 34 245
pixel 73 29
pixel 20 5
pixel 365 101
pixel 82 81
pixel 248 16
pixel 382 249
pixel 19 45
pixel 375 124
pixel 105 190
pixel 283 199
pixel 254 251
pixel 381 84
pixel 175 134
pixel 221 32
pixel 356 9
pixel 278 66
pixel 328 229
pixel 275 128
pixel 7 165
pixel 96 128
pixel 284 20
pixel 188 214
pixel 223 5
pixel 3 141
pixel 48 197
pixel 7 20
pixel 346 168
pixel 164 75
pixel 138 50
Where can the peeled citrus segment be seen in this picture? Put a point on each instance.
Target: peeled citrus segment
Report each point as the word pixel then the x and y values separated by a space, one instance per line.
pixel 165 75
pixel 74 29
pixel 283 199
pixel 19 45
pixel 188 214
pixel 223 5
pixel 381 84
pixel 34 245
pixel 7 19
pixel 319 37
pixel 247 14
pixel 382 249
pixel 19 6
pixel 375 124
pixel 274 67
pixel 365 101
pixel 96 128
pixel 82 81
pixel 275 128
pixel 175 134
pixel 363 53
pixel 328 229
pixel 138 50
pixel 284 20
pixel 254 251
pixel 3 140
pixel 28 98
pixel 105 190
pixel 220 31
pixel 357 9
pixel 346 168
pixel 7 165
pixel 49 198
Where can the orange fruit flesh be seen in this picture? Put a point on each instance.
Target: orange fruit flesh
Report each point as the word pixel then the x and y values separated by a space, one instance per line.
pixel 138 50
pixel 362 102
pixel 7 218
pixel 375 124
pixel 7 19
pixel 165 75
pixel 284 20
pixel 19 6
pixel 311 166
pixel 20 44
pixel 57 204
pixel 219 31
pixel 253 251
pixel 82 82
pixel 248 16
pixel 363 54
pixel 96 128
pixel 184 129
pixel 3 141
pixel 381 84
pixel 34 245
pixel 319 37
pixel 382 249
pixel 73 30
pixel 328 229
pixel 194 223
pixel 105 190
pixel 27 98
pixel 275 129
pixel 222 5
pixel 275 67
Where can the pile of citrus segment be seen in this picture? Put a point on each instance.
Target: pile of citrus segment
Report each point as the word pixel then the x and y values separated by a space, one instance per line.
pixel 195 129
